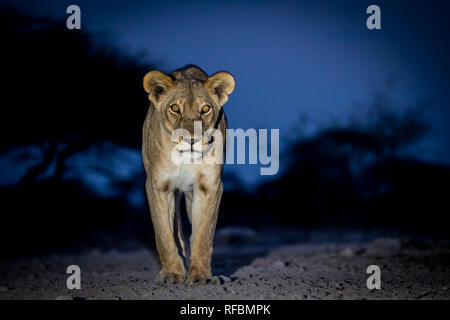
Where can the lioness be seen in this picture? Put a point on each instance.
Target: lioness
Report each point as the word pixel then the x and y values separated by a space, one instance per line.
pixel 176 102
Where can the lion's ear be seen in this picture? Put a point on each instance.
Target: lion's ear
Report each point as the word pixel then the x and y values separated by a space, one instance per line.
pixel 157 84
pixel 221 84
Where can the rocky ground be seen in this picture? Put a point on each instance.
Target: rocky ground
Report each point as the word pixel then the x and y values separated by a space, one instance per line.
pixel 409 270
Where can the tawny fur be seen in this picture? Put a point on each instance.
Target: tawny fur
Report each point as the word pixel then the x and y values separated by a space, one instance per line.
pixel 201 184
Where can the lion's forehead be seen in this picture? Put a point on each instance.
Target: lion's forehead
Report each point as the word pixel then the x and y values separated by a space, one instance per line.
pixel 191 97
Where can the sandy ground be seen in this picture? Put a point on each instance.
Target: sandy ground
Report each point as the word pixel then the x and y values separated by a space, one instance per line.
pixel 409 270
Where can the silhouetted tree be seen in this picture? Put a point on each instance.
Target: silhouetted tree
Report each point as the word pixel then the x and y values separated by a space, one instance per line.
pixel 357 175
pixel 64 91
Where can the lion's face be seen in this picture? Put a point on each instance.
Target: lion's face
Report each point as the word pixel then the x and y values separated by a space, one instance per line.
pixel 191 104
pixel 186 103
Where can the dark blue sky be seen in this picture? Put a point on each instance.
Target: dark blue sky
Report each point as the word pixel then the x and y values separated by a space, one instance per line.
pixel 309 59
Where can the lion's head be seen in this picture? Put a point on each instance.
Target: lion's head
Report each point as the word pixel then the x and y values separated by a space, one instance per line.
pixel 189 99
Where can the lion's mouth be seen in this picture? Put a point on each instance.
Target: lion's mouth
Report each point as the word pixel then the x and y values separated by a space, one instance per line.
pixel 190 155
pixel 192 152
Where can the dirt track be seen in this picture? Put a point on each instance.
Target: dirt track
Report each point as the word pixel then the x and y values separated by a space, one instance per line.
pixel 301 271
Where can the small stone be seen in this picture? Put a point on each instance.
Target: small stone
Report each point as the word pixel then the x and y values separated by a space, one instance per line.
pixel 63 297
pixel 279 264
pixel 339 286
pixel 224 279
pixel 347 253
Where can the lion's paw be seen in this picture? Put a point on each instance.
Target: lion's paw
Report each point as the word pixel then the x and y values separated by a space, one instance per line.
pixel 168 277
pixel 196 277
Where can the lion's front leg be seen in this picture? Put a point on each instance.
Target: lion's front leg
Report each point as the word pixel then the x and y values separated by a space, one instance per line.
pixel 162 208
pixel 205 207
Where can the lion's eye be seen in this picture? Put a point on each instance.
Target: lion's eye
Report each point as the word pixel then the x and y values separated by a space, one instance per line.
pixel 175 108
pixel 205 108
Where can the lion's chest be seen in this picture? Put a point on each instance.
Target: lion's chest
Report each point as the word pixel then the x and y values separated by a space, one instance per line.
pixel 183 177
